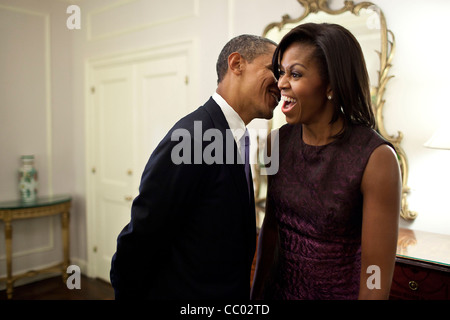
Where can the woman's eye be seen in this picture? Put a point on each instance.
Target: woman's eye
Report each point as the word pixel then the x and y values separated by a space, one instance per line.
pixel 294 75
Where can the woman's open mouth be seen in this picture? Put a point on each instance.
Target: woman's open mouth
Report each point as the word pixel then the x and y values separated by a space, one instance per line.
pixel 288 104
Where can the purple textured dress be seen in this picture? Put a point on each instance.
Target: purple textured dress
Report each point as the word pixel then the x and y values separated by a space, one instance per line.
pixel 317 201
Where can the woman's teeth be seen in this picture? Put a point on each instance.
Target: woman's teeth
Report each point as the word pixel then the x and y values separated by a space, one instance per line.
pixel 288 99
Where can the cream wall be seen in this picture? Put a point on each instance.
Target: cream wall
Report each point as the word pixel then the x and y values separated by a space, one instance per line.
pixel 418 102
pixel 53 89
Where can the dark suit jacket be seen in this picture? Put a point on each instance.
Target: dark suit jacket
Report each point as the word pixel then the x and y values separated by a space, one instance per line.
pixel 192 233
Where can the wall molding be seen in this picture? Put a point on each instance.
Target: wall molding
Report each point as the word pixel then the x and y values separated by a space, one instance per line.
pixel 49 244
pixel 48 86
pixel 92 15
pixel 141 54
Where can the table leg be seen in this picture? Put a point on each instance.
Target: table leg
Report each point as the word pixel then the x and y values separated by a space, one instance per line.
pixel 8 242
pixel 65 220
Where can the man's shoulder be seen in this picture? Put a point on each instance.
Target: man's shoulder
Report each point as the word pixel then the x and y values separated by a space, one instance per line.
pixel 202 115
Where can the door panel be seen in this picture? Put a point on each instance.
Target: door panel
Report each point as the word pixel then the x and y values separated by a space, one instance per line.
pixel 162 98
pixel 113 157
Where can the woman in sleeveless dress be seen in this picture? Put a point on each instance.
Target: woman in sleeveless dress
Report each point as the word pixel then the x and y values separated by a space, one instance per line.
pixel 332 210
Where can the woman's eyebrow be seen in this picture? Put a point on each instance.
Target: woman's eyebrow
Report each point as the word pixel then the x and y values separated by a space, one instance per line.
pixel 298 64
pixel 293 65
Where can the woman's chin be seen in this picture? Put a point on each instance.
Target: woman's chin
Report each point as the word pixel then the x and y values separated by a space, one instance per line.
pixel 290 120
pixel 290 114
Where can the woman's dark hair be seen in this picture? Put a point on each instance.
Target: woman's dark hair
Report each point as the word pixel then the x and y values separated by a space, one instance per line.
pixel 341 64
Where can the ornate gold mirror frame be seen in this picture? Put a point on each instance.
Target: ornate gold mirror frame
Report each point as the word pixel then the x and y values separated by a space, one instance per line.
pixel 385 54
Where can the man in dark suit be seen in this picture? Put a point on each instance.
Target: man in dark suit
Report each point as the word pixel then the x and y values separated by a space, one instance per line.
pixel 192 233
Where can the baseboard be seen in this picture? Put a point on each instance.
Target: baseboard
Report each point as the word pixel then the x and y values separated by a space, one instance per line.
pixel 42 276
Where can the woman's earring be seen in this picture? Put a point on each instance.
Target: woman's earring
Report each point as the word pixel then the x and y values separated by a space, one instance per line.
pixel 330 97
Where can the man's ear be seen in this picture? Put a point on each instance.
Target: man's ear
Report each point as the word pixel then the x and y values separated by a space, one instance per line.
pixel 236 63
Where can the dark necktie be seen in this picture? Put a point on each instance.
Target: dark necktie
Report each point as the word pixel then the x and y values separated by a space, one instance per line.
pixel 246 145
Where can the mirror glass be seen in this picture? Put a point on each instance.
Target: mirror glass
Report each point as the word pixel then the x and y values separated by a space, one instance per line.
pixel 367 23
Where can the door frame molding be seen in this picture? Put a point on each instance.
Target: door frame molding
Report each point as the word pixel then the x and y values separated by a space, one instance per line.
pixel 186 47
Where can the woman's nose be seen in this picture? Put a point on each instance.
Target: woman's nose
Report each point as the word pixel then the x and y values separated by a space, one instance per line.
pixel 282 83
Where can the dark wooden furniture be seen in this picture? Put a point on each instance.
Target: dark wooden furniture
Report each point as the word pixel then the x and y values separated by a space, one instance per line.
pixel 422 268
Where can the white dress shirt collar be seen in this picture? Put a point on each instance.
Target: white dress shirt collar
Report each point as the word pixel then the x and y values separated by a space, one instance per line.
pixel 235 122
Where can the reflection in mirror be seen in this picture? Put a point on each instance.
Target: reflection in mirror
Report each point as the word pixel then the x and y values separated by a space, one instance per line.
pixel 366 21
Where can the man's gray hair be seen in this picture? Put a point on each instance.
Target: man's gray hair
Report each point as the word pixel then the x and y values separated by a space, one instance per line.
pixel 248 46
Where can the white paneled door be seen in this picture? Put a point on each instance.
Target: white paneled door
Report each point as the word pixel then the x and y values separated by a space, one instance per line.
pixel 133 105
pixel 162 97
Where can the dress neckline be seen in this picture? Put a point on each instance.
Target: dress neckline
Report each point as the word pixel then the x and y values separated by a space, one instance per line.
pixel 304 144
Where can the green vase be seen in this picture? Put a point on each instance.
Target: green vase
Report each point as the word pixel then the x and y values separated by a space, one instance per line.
pixel 28 179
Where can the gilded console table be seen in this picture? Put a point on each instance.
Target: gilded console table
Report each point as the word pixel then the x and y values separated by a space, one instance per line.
pixel 42 207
